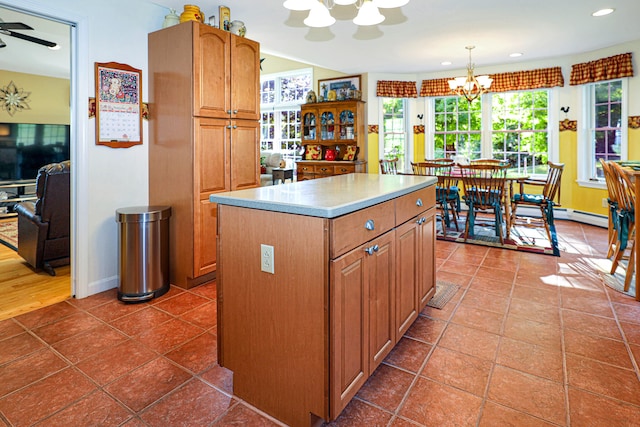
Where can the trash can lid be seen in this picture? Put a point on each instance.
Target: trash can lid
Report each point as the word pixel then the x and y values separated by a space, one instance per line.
pixel 143 213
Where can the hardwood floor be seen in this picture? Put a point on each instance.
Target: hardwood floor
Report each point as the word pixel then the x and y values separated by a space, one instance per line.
pixel 23 290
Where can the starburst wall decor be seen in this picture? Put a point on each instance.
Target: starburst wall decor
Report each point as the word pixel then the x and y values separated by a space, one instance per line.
pixel 14 99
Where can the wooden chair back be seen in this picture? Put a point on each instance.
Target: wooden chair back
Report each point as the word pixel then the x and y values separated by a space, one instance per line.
pixel 551 190
pixel 495 162
pixel 389 166
pixel 484 184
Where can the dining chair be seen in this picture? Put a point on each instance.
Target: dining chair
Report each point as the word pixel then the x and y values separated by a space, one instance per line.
pixel 389 166
pixel 447 191
pixel 610 178
pixel 625 222
pixel 484 186
pixel 497 162
pixel 545 201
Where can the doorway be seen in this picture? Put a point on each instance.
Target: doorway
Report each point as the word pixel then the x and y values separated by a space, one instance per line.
pixel 23 289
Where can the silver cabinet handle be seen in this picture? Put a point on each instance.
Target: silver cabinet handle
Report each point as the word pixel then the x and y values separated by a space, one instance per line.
pixel 369 225
pixel 228 126
pixel 371 249
pixel 235 126
pixel 228 111
pixel 235 111
pixel 419 203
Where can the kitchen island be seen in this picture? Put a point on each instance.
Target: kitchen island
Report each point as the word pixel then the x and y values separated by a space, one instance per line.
pixel 317 281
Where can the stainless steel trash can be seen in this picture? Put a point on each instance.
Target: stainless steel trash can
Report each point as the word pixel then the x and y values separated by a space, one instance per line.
pixel 143 262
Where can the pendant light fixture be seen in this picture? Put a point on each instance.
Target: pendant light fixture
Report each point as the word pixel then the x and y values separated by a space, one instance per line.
pixel 320 15
pixel 471 87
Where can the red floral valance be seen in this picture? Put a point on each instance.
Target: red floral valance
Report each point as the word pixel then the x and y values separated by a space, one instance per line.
pixel 503 82
pixel 613 67
pixel 396 89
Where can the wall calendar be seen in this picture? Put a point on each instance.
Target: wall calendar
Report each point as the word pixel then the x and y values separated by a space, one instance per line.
pixel 118 105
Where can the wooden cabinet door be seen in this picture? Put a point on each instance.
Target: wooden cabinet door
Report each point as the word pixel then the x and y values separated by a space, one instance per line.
pixel 245 78
pixel 211 156
pixel 381 273
pixel 309 125
pixel 245 154
pixel 426 258
pixel 349 328
pixel 407 275
pixel 211 72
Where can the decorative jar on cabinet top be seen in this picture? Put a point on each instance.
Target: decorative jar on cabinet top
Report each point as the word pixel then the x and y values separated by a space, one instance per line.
pixel 191 13
pixel 171 19
pixel 238 28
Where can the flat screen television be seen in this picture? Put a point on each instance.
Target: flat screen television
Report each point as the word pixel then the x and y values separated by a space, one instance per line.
pixel 26 147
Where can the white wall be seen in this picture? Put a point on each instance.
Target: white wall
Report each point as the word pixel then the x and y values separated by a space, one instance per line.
pixel 104 179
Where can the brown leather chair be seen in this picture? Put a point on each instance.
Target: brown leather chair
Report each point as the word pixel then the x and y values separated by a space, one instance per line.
pixel 44 225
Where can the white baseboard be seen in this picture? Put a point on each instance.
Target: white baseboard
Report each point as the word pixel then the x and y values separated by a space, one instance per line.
pixel 101 286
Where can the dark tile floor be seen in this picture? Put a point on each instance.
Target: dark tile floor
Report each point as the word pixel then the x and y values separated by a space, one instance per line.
pixel 528 340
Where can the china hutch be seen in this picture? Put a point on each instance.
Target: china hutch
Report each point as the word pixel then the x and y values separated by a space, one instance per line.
pixel 333 137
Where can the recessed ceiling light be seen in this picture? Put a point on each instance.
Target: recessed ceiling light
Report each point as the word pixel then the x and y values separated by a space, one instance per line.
pixel 602 12
pixel 515 54
pixel 445 63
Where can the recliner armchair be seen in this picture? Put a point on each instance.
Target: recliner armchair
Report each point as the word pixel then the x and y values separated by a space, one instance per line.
pixel 44 225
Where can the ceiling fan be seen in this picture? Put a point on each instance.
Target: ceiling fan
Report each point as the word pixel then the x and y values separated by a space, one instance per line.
pixel 7 27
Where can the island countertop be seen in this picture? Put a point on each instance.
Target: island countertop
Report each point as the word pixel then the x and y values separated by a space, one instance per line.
pixel 326 197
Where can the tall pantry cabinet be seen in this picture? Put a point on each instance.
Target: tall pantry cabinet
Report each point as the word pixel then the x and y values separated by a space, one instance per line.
pixel 204 111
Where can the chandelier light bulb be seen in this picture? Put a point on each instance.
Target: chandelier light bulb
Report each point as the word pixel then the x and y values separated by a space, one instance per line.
pixel 368 14
pixel 319 16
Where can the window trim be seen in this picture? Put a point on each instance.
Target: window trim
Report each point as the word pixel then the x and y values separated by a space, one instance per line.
pixel 278 107
pixel 584 145
pixel 486 134
pixel 408 133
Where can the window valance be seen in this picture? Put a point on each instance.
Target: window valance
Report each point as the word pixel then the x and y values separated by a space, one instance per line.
pixel 503 82
pixel 613 67
pixel 396 89
pixel 527 80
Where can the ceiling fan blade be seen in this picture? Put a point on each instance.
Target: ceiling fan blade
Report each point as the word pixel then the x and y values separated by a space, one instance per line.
pixel 14 26
pixel 32 39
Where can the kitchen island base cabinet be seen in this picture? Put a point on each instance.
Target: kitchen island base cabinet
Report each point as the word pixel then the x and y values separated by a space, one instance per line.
pixel 302 341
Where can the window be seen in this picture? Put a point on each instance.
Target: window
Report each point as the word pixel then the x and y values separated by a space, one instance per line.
pixel 394 131
pixel 605 130
pixel 512 126
pixel 280 98
pixel 457 128
pixel 520 129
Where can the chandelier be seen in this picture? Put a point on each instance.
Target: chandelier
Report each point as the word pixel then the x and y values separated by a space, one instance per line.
pixel 471 87
pixel 320 15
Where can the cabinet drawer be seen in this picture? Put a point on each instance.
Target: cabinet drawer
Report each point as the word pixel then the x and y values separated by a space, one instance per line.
pixel 305 168
pixel 412 204
pixel 349 231
pixel 323 170
pixel 342 169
